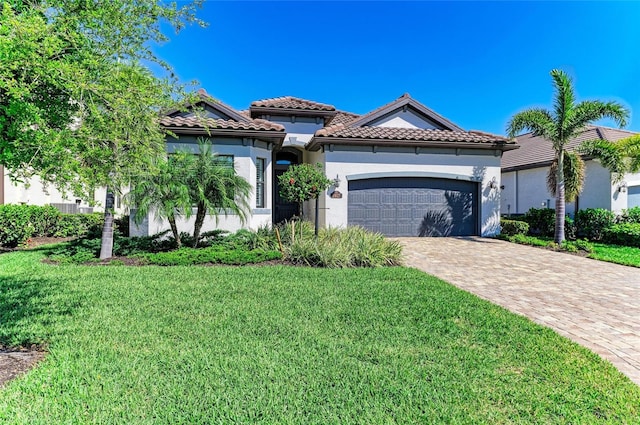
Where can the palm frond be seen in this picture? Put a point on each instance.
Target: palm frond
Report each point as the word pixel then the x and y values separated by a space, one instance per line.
pixel 564 102
pixel 630 148
pixel 537 120
pixel 610 155
pixel 592 110
pixel 573 167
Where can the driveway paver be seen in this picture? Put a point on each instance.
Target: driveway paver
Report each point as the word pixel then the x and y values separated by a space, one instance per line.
pixel 594 303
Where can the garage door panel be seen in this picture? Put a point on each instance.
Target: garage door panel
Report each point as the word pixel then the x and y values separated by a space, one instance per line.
pixel 414 207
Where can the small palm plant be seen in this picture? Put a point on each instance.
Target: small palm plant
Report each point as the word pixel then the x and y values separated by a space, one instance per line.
pixel 215 188
pixel 164 192
pixel 567 120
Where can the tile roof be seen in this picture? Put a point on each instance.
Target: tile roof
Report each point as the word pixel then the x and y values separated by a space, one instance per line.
pixel 343 117
pixel 537 150
pixel 201 123
pixel 417 134
pixel 290 102
pixel 405 100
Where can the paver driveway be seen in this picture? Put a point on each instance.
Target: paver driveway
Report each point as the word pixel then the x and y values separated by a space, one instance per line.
pixel 594 303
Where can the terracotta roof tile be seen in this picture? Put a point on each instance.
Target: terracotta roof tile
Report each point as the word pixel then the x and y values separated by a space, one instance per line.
pixel 537 150
pixel 290 102
pixel 343 117
pixel 408 134
pixel 196 122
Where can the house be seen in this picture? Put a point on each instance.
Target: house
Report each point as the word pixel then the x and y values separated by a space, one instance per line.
pixel 34 192
pixel 401 169
pixel 524 176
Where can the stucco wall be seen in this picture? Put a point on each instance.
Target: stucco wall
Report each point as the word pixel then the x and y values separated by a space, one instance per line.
pixel 349 164
pixel 525 189
pixel 245 165
pixel 302 129
pixel 403 119
pixel 35 193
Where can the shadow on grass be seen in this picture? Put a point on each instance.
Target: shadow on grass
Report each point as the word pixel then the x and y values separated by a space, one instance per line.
pixel 32 310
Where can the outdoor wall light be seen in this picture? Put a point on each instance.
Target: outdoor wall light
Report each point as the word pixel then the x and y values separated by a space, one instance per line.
pixel 623 187
pixel 493 184
pixel 336 181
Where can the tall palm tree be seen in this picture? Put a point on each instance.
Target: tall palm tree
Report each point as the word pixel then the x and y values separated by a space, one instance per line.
pixel 165 193
pixel 216 188
pixel 564 122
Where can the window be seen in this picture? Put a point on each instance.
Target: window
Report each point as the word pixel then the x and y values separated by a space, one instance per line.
pixel 226 160
pixel 260 182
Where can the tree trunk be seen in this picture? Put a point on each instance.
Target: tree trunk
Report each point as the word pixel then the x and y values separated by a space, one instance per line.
pixel 317 222
pixel 106 245
pixel 174 230
pixel 200 215
pixel 560 201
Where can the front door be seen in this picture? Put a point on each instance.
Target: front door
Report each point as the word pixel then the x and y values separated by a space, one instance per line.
pixel 283 209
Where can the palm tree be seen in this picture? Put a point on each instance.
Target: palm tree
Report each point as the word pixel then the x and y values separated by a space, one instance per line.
pixel 165 193
pixel 620 157
pixel 564 122
pixel 216 188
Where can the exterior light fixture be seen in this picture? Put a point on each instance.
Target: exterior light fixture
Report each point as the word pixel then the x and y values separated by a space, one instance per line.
pixel 623 187
pixel 493 184
pixel 336 181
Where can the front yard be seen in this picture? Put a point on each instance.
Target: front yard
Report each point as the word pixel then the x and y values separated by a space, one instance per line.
pixel 279 344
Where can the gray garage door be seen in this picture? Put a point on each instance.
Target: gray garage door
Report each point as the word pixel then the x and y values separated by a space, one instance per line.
pixel 633 197
pixel 400 206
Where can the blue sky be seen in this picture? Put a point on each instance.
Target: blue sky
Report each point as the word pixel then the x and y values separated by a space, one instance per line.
pixel 476 63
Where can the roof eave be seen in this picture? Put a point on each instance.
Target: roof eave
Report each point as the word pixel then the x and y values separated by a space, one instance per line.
pixel 276 136
pixel 316 142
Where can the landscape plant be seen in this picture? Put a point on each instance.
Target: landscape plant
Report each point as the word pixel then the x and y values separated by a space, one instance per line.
pixel 79 106
pixel 215 188
pixel 164 192
pixel 567 120
pixel 303 182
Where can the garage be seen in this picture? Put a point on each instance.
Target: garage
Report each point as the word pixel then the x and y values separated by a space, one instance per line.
pixel 414 206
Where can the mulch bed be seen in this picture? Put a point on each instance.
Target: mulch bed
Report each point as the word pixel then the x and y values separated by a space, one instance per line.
pixel 17 361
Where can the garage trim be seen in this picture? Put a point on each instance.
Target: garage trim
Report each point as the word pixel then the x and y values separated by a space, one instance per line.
pixel 428 174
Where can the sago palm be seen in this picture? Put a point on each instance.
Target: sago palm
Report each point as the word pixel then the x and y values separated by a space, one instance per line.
pixel 565 121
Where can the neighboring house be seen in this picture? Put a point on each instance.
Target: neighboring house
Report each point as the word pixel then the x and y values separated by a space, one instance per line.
pixel 524 177
pixel 35 193
pixel 402 169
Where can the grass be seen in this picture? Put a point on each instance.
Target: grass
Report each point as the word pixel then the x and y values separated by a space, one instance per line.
pixel 625 255
pixel 195 345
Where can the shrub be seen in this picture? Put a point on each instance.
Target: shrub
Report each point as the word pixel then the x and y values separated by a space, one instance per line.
pixel 121 224
pixel 632 215
pixel 591 223
pixel 70 225
pixel 514 227
pixel 627 234
pixel 542 221
pixel 342 248
pixel 15 225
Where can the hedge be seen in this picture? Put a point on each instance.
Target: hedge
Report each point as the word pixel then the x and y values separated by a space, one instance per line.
pixel 513 227
pixel 18 223
pixel 627 234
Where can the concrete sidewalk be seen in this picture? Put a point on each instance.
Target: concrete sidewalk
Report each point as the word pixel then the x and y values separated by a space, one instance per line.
pixel 594 303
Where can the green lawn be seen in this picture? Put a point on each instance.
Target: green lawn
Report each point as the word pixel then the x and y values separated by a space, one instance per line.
pixel 626 255
pixel 205 345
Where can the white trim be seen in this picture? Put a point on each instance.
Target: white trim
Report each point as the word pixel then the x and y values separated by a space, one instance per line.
pixel 428 174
